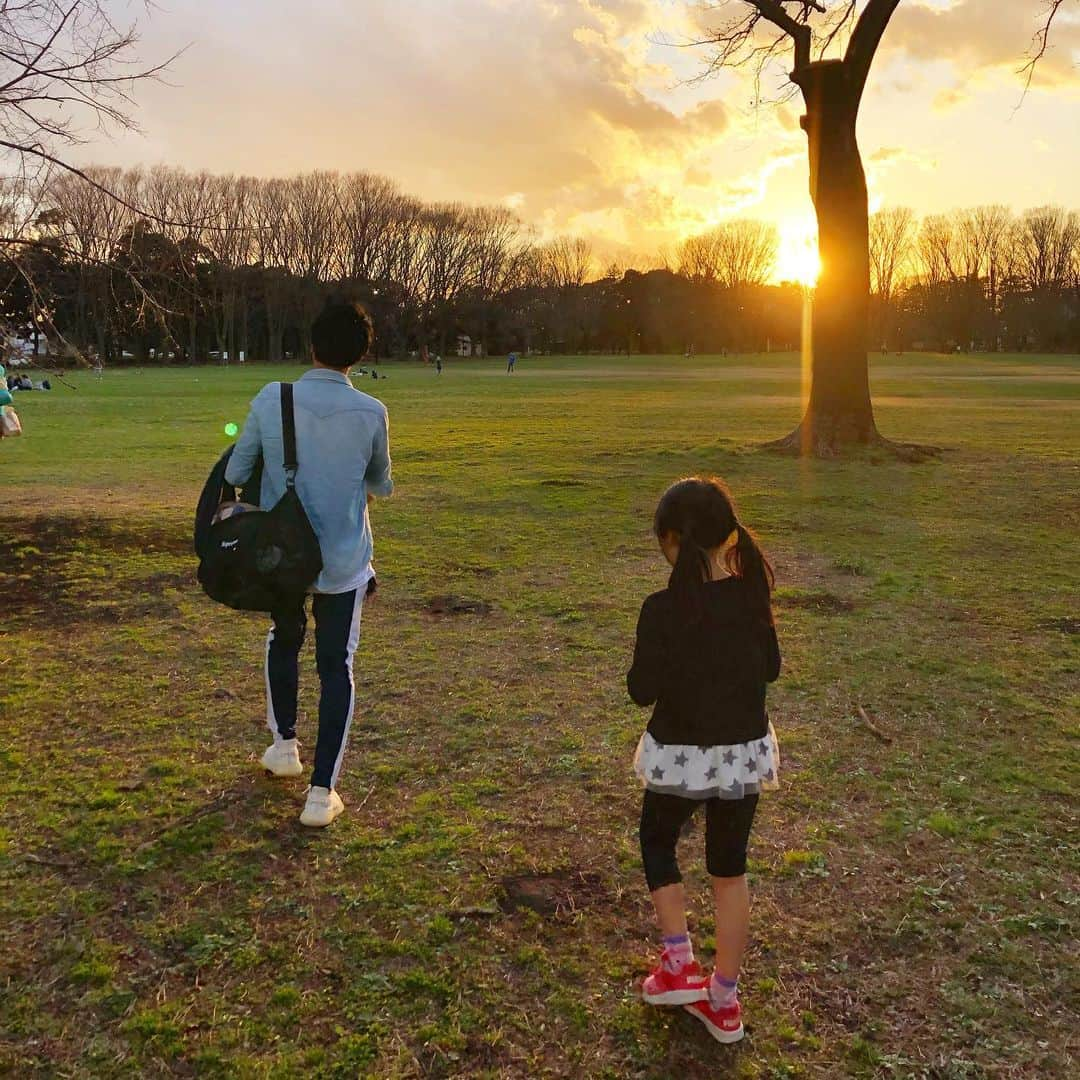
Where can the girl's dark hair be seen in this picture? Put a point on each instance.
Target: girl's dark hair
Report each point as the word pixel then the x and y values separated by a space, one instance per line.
pixel 701 513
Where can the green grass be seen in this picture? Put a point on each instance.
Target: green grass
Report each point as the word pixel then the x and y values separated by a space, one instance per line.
pixel 915 901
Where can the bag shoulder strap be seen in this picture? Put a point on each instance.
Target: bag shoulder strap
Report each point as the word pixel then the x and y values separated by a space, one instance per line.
pixel 288 433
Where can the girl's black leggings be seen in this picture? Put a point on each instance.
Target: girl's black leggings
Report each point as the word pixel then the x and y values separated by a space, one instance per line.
pixel 727 830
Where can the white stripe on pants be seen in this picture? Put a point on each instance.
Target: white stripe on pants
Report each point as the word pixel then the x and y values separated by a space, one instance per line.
pixel 350 652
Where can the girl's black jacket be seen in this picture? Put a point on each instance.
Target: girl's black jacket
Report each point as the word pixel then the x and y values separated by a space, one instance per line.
pixel 706 679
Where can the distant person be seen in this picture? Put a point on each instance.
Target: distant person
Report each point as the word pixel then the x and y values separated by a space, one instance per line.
pixel 706 647
pixel 343 454
pixel 511 363
pixel 438 365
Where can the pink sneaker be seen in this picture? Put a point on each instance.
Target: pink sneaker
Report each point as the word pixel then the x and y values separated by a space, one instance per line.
pixel 724 1025
pixel 662 988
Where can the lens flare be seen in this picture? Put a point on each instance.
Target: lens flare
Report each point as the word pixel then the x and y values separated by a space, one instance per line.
pixel 797 257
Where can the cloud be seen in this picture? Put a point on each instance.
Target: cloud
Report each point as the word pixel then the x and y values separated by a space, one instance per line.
pixel 554 102
pixel 696 176
pixel 885 160
pixel 567 111
pixel 896 155
pixel 950 98
pixel 977 36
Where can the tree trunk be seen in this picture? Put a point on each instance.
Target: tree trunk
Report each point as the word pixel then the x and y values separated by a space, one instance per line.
pixel 839 412
pixel 243 343
pixel 193 336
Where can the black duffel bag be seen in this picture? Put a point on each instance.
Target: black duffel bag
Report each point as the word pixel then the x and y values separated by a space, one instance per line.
pixel 261 560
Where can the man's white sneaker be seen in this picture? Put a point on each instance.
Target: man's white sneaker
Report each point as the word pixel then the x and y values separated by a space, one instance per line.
pixel 323 805
pixel 283 758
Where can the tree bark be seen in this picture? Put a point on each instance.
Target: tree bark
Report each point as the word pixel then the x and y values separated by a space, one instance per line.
pixel 839 412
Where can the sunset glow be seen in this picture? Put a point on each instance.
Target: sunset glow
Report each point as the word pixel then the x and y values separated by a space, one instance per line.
pixel 797 258
pixel 598 128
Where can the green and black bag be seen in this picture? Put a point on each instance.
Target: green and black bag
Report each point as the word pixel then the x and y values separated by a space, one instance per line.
pixel 261 560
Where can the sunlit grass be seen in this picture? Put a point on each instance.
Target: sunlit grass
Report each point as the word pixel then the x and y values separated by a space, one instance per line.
pixel 164 911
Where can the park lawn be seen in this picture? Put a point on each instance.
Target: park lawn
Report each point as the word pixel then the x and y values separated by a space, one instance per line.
pixel 479 910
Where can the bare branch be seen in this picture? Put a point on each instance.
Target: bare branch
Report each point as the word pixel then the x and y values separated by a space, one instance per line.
pixel 1039 45
pixel 865 39
pixel 749 39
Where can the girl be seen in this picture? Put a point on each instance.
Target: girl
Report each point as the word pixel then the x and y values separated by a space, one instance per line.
pixel 706 647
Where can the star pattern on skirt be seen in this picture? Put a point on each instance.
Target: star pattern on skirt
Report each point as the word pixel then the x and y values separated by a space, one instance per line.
pixel 747 768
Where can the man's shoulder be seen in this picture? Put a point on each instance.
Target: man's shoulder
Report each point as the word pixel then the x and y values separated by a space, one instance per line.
pixel 366 402
pixel 340 396
pixel 270 392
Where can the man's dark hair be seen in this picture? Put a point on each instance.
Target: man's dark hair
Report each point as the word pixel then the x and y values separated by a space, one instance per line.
pixel 342 334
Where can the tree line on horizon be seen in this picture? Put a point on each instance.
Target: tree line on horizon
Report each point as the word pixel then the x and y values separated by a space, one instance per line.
pixel 173 266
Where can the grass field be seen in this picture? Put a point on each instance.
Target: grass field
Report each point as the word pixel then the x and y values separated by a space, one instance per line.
pixel 480 910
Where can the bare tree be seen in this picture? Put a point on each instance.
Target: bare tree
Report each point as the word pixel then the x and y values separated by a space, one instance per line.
pixel 1048 244
pixel 368 207
pixel 839 410
pixel 937 250
pixel 566 262
pixel 755 34
pixel 891 232
pixel 273 254
pixel 66 69
pixel 992 225
pixel 228 241
pixel 498 250
pixel 732 254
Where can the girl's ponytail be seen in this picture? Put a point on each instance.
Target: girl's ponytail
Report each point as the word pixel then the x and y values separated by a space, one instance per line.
pixel 747 561
pixel 690 573
pixel 700 513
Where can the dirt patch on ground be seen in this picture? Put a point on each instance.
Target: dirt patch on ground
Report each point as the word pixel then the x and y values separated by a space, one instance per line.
pixel 457 605
pixel 64 570
pixel 558 893
pixel 824 603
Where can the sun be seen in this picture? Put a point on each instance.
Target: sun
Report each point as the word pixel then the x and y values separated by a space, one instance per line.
pixel 797 256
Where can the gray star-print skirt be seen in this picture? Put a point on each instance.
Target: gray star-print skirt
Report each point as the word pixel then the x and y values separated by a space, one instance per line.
pixel 708 772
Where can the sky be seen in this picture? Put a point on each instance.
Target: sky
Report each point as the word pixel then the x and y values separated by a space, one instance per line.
pixel 585 116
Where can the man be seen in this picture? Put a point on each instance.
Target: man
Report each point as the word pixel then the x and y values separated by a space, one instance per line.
pixel 511 363
pixel 343 455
